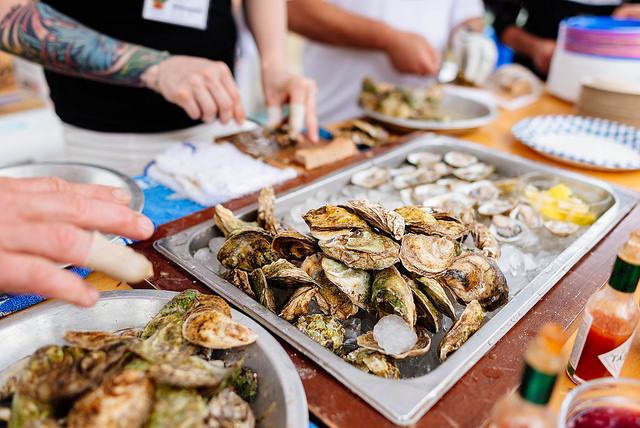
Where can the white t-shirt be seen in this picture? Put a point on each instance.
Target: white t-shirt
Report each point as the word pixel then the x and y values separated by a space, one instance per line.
pixel 339 71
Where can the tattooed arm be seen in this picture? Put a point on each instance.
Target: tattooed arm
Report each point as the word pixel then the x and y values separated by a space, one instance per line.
pixel 35 31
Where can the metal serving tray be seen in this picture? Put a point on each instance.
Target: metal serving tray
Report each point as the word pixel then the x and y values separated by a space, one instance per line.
pixel 404 401
pixel 280 401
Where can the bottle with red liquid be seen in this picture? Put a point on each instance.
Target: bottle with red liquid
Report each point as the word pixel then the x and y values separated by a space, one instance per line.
pixel 528 406
pixel 609 320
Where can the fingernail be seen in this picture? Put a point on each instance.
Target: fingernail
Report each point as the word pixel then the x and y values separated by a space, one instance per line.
pixel 145 225
pixel 121 195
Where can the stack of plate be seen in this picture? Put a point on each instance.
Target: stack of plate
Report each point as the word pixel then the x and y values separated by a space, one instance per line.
pixel 594 46
pixel 613 99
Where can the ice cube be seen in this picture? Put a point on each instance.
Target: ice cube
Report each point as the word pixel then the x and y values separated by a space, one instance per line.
pixel 204 256
pixel 394 335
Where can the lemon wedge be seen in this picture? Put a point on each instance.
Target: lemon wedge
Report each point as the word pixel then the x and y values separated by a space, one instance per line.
pixel 559 203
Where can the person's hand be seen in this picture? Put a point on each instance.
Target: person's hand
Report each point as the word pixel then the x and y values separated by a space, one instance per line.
pixel 542 54
pixel 475 54
pixel 411 53
pixel 47 221
pixel 627 11
pixel 205 89
pixel 281 86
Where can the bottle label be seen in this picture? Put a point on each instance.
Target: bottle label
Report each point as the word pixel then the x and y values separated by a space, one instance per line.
pixel 614 359
pixel 581 338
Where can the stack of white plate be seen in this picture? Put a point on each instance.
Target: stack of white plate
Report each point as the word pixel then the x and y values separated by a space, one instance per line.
pixel 613 99
pixel 594 47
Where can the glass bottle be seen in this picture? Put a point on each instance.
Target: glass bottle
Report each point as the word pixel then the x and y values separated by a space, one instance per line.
pixel 609 320
pixel 527 407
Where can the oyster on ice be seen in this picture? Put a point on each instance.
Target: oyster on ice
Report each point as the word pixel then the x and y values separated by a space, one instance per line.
pixel 362 249
pixel 473 276
pixel 298 303
pixel 330 217
pixel 371 178
pixel 378 216
pixel 373 362
pixel 261 290
pixel 427 255
pixel 390 294
pixel 355 283
pixel 227 221
pixel 469 322
pixel 426 312
pixel 459 159
pixel 266 217
pixel 436 294
pixel 329 297
pixel 283 272
pixel 293 245
pixel 422 346
pixel 247 249
pixel 324 329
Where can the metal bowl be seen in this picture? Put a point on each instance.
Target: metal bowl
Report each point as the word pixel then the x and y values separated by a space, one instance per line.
pixel 281 401
pixel 79 173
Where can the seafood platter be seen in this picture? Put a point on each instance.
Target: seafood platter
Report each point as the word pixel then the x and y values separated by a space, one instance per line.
pixel 146 358
pixel 396 275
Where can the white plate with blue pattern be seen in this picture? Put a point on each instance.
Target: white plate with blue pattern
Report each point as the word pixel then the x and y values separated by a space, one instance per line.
pixel 587 142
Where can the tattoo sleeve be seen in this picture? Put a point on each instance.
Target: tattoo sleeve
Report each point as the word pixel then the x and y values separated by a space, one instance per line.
pixel 39 33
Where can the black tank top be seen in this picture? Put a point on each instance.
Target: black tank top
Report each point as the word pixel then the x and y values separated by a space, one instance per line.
pixel 112 108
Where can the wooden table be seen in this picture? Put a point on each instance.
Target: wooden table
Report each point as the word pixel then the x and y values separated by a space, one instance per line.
pixel 469 401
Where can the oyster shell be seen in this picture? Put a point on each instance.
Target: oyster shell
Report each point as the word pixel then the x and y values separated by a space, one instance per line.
pixel 527 214
pixel 473 276
pixel 469 322
pixel 421 175
pixel 507 229
pixel 561 228
pixel 298 303
pixel 330 217
pixel 496 206
pixel 293 245
pixel 390 294
pixel 362 249
pixel 228 410
pixel 450 201
pixel 427 255
pixel 371 178
pixel 324 329
pixel 418 194
pixel 474 172
pixel 283 272
pixel 266 218
pixel 176 407
pixel 123 400
pixel 459 159
pixel 227 222
pixel 422 346
pixel 261 290
pixel 192 372
pixel 27 411
pixel 240 279
pixel 247 249
pixel 95 340
pixel 378 216
pixel 484 240
pixel 373 362
pixel 208 323
pixel 426 312
pixel 480 191
pixel 423 158
pixel 355 283
pixel 435 292
pixel 171 312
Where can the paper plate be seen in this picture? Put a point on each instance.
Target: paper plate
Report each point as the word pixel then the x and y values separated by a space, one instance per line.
pixel 587 142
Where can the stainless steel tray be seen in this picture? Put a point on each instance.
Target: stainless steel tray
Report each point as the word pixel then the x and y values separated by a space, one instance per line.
pixel 26 331
pixel 403 401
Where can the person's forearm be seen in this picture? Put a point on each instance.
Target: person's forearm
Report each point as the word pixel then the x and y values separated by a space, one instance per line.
pixel 521 41
pixel 39 33
pixel 267 20
pixel 326 23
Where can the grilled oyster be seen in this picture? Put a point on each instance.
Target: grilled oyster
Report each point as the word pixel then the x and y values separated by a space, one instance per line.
pixel 427 255
pixel 473 276
pixel 469 322
pixel 362 249
pixel 422 346
pixel 123 400
pixel 324 329
pixel 373 362
pixel 283 272
pixel 390 294
pixel 377 216
pixel 177 407
pixel 355 283
pixel 293 245
pixel 247 249
pixel 208 323
pixel 266 217
pixel 228 410
pixel 227 221
pixel 298 303
pixel 172 311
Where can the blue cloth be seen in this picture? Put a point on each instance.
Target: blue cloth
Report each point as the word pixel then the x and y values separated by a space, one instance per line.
pixel 161 205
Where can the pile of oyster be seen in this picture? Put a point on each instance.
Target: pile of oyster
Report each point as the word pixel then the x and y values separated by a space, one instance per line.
pixel 364 260
pixel 162 376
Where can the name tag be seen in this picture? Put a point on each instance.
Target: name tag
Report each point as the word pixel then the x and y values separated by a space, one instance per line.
pixel 188 13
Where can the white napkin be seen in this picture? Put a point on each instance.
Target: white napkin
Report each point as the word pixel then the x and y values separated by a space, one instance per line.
pixel 211 173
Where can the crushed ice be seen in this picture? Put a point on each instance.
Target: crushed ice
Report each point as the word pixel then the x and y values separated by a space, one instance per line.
pixel 394 335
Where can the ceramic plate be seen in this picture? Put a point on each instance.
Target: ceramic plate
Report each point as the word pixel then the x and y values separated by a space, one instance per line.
pixel 465 113
pixel 587 142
